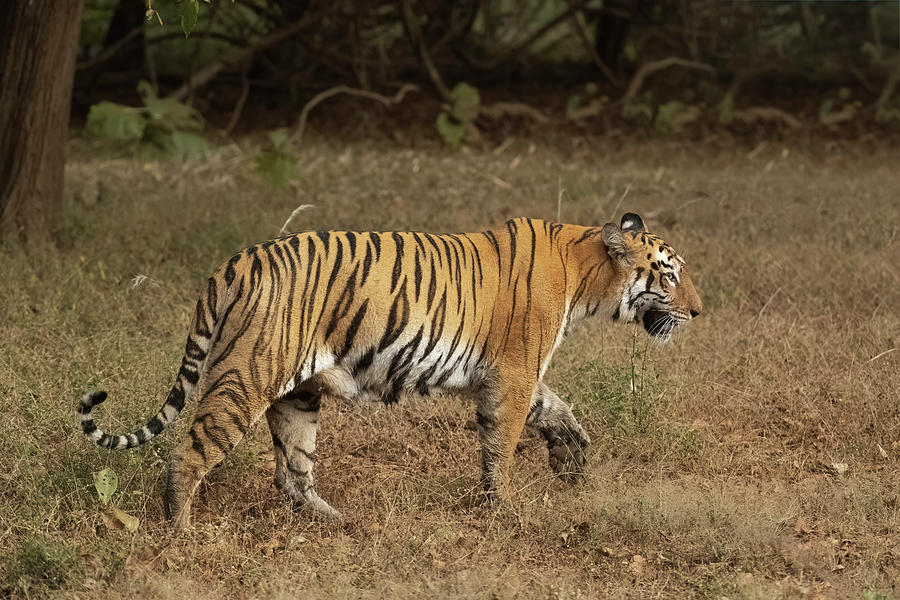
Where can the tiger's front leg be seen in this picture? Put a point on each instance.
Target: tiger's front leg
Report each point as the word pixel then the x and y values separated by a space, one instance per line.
pixel 293 421
pixel 567 441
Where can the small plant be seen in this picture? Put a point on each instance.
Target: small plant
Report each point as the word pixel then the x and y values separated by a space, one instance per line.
pixel 42 564
pixel 277 164
pixel 161 128
pixel 672 117
pixel 106 482
pixel 456 118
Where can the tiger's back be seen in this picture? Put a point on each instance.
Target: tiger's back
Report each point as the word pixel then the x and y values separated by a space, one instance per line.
pixel 380 314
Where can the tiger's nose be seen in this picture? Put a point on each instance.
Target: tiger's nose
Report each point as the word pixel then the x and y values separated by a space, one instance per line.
pixel 694 313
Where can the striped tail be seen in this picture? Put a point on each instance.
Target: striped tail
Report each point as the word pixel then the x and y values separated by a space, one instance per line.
pixel 192 365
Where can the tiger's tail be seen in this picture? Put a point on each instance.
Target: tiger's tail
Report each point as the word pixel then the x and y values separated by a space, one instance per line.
pixel 203 328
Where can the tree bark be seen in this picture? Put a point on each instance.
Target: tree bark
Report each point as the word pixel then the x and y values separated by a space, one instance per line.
pixel 38 44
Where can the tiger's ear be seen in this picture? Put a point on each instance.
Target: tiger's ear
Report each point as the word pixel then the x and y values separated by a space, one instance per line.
pixel 632 222
pixel 614 241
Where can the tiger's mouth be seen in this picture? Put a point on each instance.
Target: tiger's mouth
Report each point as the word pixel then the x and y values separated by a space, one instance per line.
pixel 658 323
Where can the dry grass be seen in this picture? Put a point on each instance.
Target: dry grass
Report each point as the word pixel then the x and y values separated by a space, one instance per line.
pixel 714 478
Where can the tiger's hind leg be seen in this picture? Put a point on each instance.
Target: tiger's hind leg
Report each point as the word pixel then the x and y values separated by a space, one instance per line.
pixel 566 439
pixel 501 413
pixel 224 415
pixel 293 421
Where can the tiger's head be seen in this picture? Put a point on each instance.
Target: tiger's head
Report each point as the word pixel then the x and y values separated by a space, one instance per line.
pixel 657 291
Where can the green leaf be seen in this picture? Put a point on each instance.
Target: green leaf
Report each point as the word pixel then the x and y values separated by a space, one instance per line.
pixel 183 144
pixel 116 122
pixel 106 482
pixel 279 137
pixel 190 11
pixel 466 102
pixel 170 114
pixel 825 109
pixel 673 116
pixel 572 104
pixel 277 168
pixel 451 131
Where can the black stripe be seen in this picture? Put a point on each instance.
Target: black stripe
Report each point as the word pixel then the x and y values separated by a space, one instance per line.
pixel 353 328
pixel 155 425
pixel 396 322
pixel 191 376
pixel 211 298
pixel 367 264
pixel 365 361
pixel 398 260
pixel 351 240
pixel 418 275
pixel 432 287
pixel 176 398
pixel 200 326
pixel 376 243
pixel 530 267
pixel 587 235
pixel 343 304
pixel 437 324
pixel 512 228
pixel 193 350
pixel 229 270
pixel 197 445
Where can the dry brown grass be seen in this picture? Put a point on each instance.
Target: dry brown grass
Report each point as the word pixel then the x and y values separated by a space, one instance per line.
pixel 715 478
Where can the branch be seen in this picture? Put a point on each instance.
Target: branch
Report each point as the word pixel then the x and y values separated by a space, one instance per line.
pixel 498 110
pixel 207 73
pixel 887 91
pixel 649 68
pixel 524 44
pixel 239 106
pixel 579 26
pixel 343 89
pixel 415 36
pixel 766 113
pixel 110 50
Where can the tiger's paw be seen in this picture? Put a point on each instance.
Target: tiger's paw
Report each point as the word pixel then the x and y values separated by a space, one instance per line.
pixel 568 456
pixel 312 501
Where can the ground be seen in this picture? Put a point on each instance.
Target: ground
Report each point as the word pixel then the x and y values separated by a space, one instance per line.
pixel 754 457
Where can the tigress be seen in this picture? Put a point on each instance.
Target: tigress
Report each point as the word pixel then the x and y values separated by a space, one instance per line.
pixel 346 314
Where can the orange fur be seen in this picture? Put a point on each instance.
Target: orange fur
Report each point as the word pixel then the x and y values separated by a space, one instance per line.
pixel 345 314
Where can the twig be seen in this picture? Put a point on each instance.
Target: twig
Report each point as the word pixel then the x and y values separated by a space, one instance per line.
pixel 880 354
pixel 524 44
pixel 206 74
pixel 887 91
pixel 239 106
pixel 343 89
pixel 585 39
pixel 767 113
pixel 498 110
pixel 110 50
pixel 619 203
pixel 649 68
pixel 415 36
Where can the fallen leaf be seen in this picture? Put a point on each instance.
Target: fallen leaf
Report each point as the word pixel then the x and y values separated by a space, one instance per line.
pixel 638 566
pixel 802 527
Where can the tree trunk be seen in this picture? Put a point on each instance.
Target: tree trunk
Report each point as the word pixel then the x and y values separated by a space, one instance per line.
pixel 38 44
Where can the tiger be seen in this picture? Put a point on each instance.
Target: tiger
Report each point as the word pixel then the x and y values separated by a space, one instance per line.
pixel 349 315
